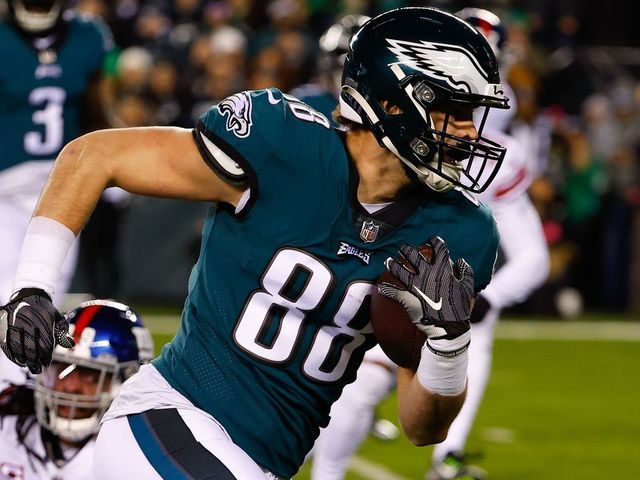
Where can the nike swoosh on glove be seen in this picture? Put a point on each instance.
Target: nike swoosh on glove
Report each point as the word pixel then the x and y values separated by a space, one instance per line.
pixel 31 327
pixel 438 294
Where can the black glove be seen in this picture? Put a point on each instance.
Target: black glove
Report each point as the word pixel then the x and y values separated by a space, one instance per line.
pixel 438 294
pixel 30 328
pixel 480 309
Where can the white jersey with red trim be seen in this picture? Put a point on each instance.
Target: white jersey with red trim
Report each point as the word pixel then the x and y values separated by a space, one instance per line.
pixel 513 178
pixel 522 240
pixel 25 459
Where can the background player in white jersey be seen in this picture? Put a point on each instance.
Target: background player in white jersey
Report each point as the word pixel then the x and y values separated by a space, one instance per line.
pixel 525 257
pixel 51 89
pixel 276 320
pixel 52 436
pixel 525 268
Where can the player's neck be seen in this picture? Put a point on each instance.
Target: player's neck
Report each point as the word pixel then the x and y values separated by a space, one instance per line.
pixel 382 177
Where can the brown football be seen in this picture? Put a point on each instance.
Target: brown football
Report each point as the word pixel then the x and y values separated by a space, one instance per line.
pixel 399 338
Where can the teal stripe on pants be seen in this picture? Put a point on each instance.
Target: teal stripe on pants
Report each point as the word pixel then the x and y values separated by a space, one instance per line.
pixel 153 449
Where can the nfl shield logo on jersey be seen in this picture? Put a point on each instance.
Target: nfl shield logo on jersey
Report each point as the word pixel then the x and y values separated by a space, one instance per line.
pixel 369 231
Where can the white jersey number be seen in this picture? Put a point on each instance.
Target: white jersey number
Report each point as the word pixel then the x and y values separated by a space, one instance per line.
pixel 294 284
pixel 50 101
pixel 304 112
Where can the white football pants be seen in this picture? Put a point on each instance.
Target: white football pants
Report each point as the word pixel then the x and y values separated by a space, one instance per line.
pixel 170 443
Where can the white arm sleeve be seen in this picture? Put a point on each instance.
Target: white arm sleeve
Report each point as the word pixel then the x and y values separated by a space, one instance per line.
pixel 525 249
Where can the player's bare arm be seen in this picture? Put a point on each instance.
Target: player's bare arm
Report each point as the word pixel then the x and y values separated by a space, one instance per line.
pixel 425 416
pixel 437 295
pixel 155 161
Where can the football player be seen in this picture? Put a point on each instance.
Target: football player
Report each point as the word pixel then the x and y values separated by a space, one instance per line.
pixel 48 86
pixel 53 435
pixel 303 220
pixel 323 94
pixel 525 268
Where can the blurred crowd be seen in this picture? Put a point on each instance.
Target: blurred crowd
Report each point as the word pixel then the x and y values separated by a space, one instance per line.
pixel 578 110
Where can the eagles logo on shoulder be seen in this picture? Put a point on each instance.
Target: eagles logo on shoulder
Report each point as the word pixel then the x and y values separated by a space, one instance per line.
pixel 237 109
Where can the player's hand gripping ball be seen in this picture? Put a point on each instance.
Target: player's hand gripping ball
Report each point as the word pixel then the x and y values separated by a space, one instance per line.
pixel 396 333
pixel 422 294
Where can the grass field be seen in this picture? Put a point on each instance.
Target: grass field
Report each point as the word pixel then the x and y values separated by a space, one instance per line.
pixel 561 404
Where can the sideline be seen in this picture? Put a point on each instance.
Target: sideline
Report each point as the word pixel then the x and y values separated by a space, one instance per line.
pixel 506 330
pixel 568 330
pixel 371 470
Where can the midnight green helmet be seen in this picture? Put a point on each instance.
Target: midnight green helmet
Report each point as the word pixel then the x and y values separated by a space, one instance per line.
pixel 424 60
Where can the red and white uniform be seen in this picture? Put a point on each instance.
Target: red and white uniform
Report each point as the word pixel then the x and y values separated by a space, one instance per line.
pixel 526 266
pixel 522 241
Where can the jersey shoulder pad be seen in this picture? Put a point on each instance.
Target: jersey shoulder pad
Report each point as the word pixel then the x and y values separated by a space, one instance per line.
pixel 317 98
pixel 247 130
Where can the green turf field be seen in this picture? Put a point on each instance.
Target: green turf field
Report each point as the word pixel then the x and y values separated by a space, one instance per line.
pixel 559 406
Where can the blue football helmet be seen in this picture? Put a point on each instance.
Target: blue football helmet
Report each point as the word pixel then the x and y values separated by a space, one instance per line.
pixel 111 344
pixel 422 60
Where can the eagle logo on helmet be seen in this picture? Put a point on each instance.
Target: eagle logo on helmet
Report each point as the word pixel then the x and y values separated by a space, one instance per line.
pixel 237 108
pixel 451 63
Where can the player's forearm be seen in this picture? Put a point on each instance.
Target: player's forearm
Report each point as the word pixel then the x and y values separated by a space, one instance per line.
pixel 80 174
pixel 425 416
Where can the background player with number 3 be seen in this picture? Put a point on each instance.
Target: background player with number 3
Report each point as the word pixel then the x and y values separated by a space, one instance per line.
pixel 303 219
pixel 51 87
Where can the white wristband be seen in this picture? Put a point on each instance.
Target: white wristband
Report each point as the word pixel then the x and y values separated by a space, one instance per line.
pixel 441 374
pixel 44 249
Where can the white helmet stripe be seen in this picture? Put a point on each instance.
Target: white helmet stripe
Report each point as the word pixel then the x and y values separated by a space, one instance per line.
pixel 349 113
pixel 397 71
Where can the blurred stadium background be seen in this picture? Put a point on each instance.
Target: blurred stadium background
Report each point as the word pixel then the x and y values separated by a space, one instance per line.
pixel 574 67
pixel 562 401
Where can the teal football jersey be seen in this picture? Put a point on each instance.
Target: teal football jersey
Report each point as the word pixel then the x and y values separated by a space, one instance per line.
pixel 276 321
pixel 41 90
pixel 317 98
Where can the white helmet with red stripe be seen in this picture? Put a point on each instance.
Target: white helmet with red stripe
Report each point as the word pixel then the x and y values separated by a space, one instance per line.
pixel 76 390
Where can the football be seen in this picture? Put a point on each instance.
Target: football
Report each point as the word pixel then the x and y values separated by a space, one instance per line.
pixel 398 337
